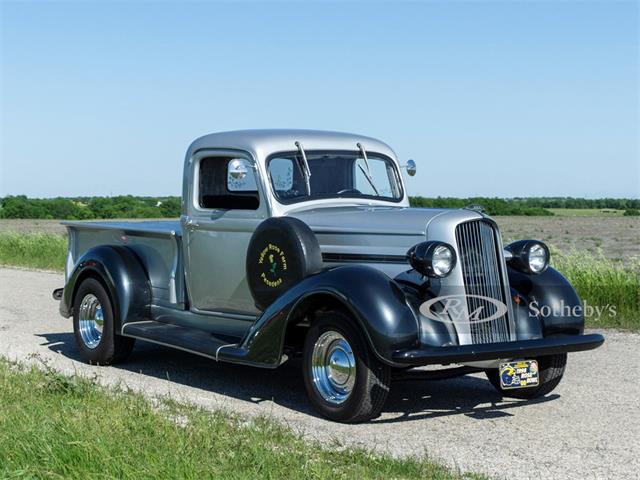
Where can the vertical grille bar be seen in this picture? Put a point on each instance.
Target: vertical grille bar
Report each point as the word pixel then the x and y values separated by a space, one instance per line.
pixel 479 251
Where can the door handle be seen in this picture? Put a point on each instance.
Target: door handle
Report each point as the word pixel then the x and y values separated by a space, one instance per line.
pixel 191 224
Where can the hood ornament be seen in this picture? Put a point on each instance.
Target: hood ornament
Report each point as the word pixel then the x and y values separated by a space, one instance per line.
pixel 475 208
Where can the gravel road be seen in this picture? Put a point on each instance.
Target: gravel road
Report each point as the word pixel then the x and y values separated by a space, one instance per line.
pixel 589 427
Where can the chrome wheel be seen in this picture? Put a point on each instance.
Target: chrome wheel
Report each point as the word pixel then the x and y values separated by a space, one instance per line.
pixel 333 367
pixel 90 321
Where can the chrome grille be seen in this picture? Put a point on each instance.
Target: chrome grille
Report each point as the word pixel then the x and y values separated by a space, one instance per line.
pixel 479 253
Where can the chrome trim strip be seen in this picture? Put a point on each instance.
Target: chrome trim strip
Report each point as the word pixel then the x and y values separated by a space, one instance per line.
pixel 331 257
pixel 133 323
pixel 223 346
pixel 327 231
pixel 234 316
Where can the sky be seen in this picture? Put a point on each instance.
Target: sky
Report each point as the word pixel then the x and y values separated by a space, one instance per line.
pixel 489 98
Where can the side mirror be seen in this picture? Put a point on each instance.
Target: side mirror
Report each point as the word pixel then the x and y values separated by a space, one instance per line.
pixel 411 168
pixel 237 169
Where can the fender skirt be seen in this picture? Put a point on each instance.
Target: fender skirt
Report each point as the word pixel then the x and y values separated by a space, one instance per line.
pixel 121 272
pixel 376 302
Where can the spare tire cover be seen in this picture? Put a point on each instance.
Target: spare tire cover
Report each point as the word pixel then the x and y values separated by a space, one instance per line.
pixel 282 251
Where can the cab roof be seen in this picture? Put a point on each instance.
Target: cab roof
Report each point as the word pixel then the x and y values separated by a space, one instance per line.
pixel 261 143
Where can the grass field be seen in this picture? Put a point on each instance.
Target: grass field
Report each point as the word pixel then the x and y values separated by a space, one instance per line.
pixel 35 250
pixel 601 282
pixel 54 426
pixel 616 236
pixel 586 212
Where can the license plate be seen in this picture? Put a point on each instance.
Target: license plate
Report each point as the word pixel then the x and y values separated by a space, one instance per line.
pixel 520 374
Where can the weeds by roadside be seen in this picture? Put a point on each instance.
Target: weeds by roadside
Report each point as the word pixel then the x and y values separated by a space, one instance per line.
pixel 34 250
pixel 56 426
pixel 601 282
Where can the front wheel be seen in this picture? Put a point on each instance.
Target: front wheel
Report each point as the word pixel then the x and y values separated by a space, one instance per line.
pixel 344 380
pixel 551 370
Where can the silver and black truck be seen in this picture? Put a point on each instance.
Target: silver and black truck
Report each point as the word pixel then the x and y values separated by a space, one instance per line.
pixel 303 243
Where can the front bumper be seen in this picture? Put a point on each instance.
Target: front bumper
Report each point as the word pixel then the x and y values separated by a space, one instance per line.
pixel 494 351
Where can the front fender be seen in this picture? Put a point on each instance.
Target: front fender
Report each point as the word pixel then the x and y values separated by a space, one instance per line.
pixel 551 298
pixel 376 302
pixel 121 273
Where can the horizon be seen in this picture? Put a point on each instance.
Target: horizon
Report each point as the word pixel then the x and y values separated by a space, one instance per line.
pixel 499 100
pixel 179 195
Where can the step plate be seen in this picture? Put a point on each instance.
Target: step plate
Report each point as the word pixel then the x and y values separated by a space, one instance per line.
pixel 188 339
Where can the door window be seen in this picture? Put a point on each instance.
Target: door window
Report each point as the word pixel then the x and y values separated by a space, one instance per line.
pixel 226 183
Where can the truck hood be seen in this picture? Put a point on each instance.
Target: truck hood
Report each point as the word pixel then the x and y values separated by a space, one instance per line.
pixel 379 236
pixel 374 220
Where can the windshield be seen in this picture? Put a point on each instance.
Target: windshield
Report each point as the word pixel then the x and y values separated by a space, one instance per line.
pixel 334 174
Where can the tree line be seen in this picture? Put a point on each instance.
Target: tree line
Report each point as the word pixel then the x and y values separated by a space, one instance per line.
pixel 87 208
pixel 128 206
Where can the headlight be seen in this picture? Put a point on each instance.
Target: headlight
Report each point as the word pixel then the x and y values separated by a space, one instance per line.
pixel 529 256
pixel 435 259
pixel 538 258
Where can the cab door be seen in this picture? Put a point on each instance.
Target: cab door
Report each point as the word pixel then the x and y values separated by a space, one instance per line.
pixel 226 205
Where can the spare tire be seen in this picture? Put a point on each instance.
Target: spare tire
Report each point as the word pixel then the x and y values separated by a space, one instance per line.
pixel 282 251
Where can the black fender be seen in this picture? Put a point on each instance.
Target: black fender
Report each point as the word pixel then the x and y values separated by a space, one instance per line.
pixel 376 302
pixel 550 298
pixel 122 273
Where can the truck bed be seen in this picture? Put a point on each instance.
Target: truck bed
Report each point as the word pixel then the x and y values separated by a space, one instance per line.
pixel 158 245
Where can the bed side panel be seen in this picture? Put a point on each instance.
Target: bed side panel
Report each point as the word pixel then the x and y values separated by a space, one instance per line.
pixel 159 253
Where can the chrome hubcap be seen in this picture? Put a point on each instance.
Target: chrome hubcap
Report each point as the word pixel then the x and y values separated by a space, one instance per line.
pixel 333 367
pixel 91 321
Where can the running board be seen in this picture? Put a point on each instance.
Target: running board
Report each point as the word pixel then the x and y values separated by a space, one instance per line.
pixel 190 340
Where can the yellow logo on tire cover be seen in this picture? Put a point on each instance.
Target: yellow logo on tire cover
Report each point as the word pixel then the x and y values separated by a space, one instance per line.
pixel 274 264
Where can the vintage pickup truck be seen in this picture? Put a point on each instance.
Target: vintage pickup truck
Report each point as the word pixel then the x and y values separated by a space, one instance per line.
pixel 302 243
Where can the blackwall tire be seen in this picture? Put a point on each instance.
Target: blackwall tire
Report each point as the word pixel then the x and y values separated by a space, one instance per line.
pixel 282 251
pixel 551 369
pixel 367 381
pixel 94 326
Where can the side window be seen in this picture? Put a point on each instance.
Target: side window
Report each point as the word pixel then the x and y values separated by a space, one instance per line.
pixel 227 184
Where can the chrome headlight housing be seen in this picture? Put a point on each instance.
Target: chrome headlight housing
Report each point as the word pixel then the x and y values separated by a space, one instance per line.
pixel 435 259
pixel 528 256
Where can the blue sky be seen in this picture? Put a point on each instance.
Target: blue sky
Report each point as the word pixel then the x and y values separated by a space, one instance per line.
pixel 489 98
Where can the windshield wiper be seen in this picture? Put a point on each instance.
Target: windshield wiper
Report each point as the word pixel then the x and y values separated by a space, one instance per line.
pixel 305 167
pixel 366 173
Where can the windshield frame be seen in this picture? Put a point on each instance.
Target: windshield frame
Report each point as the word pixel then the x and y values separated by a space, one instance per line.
pixel 309 198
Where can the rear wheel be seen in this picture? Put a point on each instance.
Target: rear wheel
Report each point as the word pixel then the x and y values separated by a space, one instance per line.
pixel 94 326
pixel 551 369
pixel 344 380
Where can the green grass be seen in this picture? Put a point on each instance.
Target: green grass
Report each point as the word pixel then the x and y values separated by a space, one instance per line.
pixel 602 282
pixel 54 426
pixel 35 250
